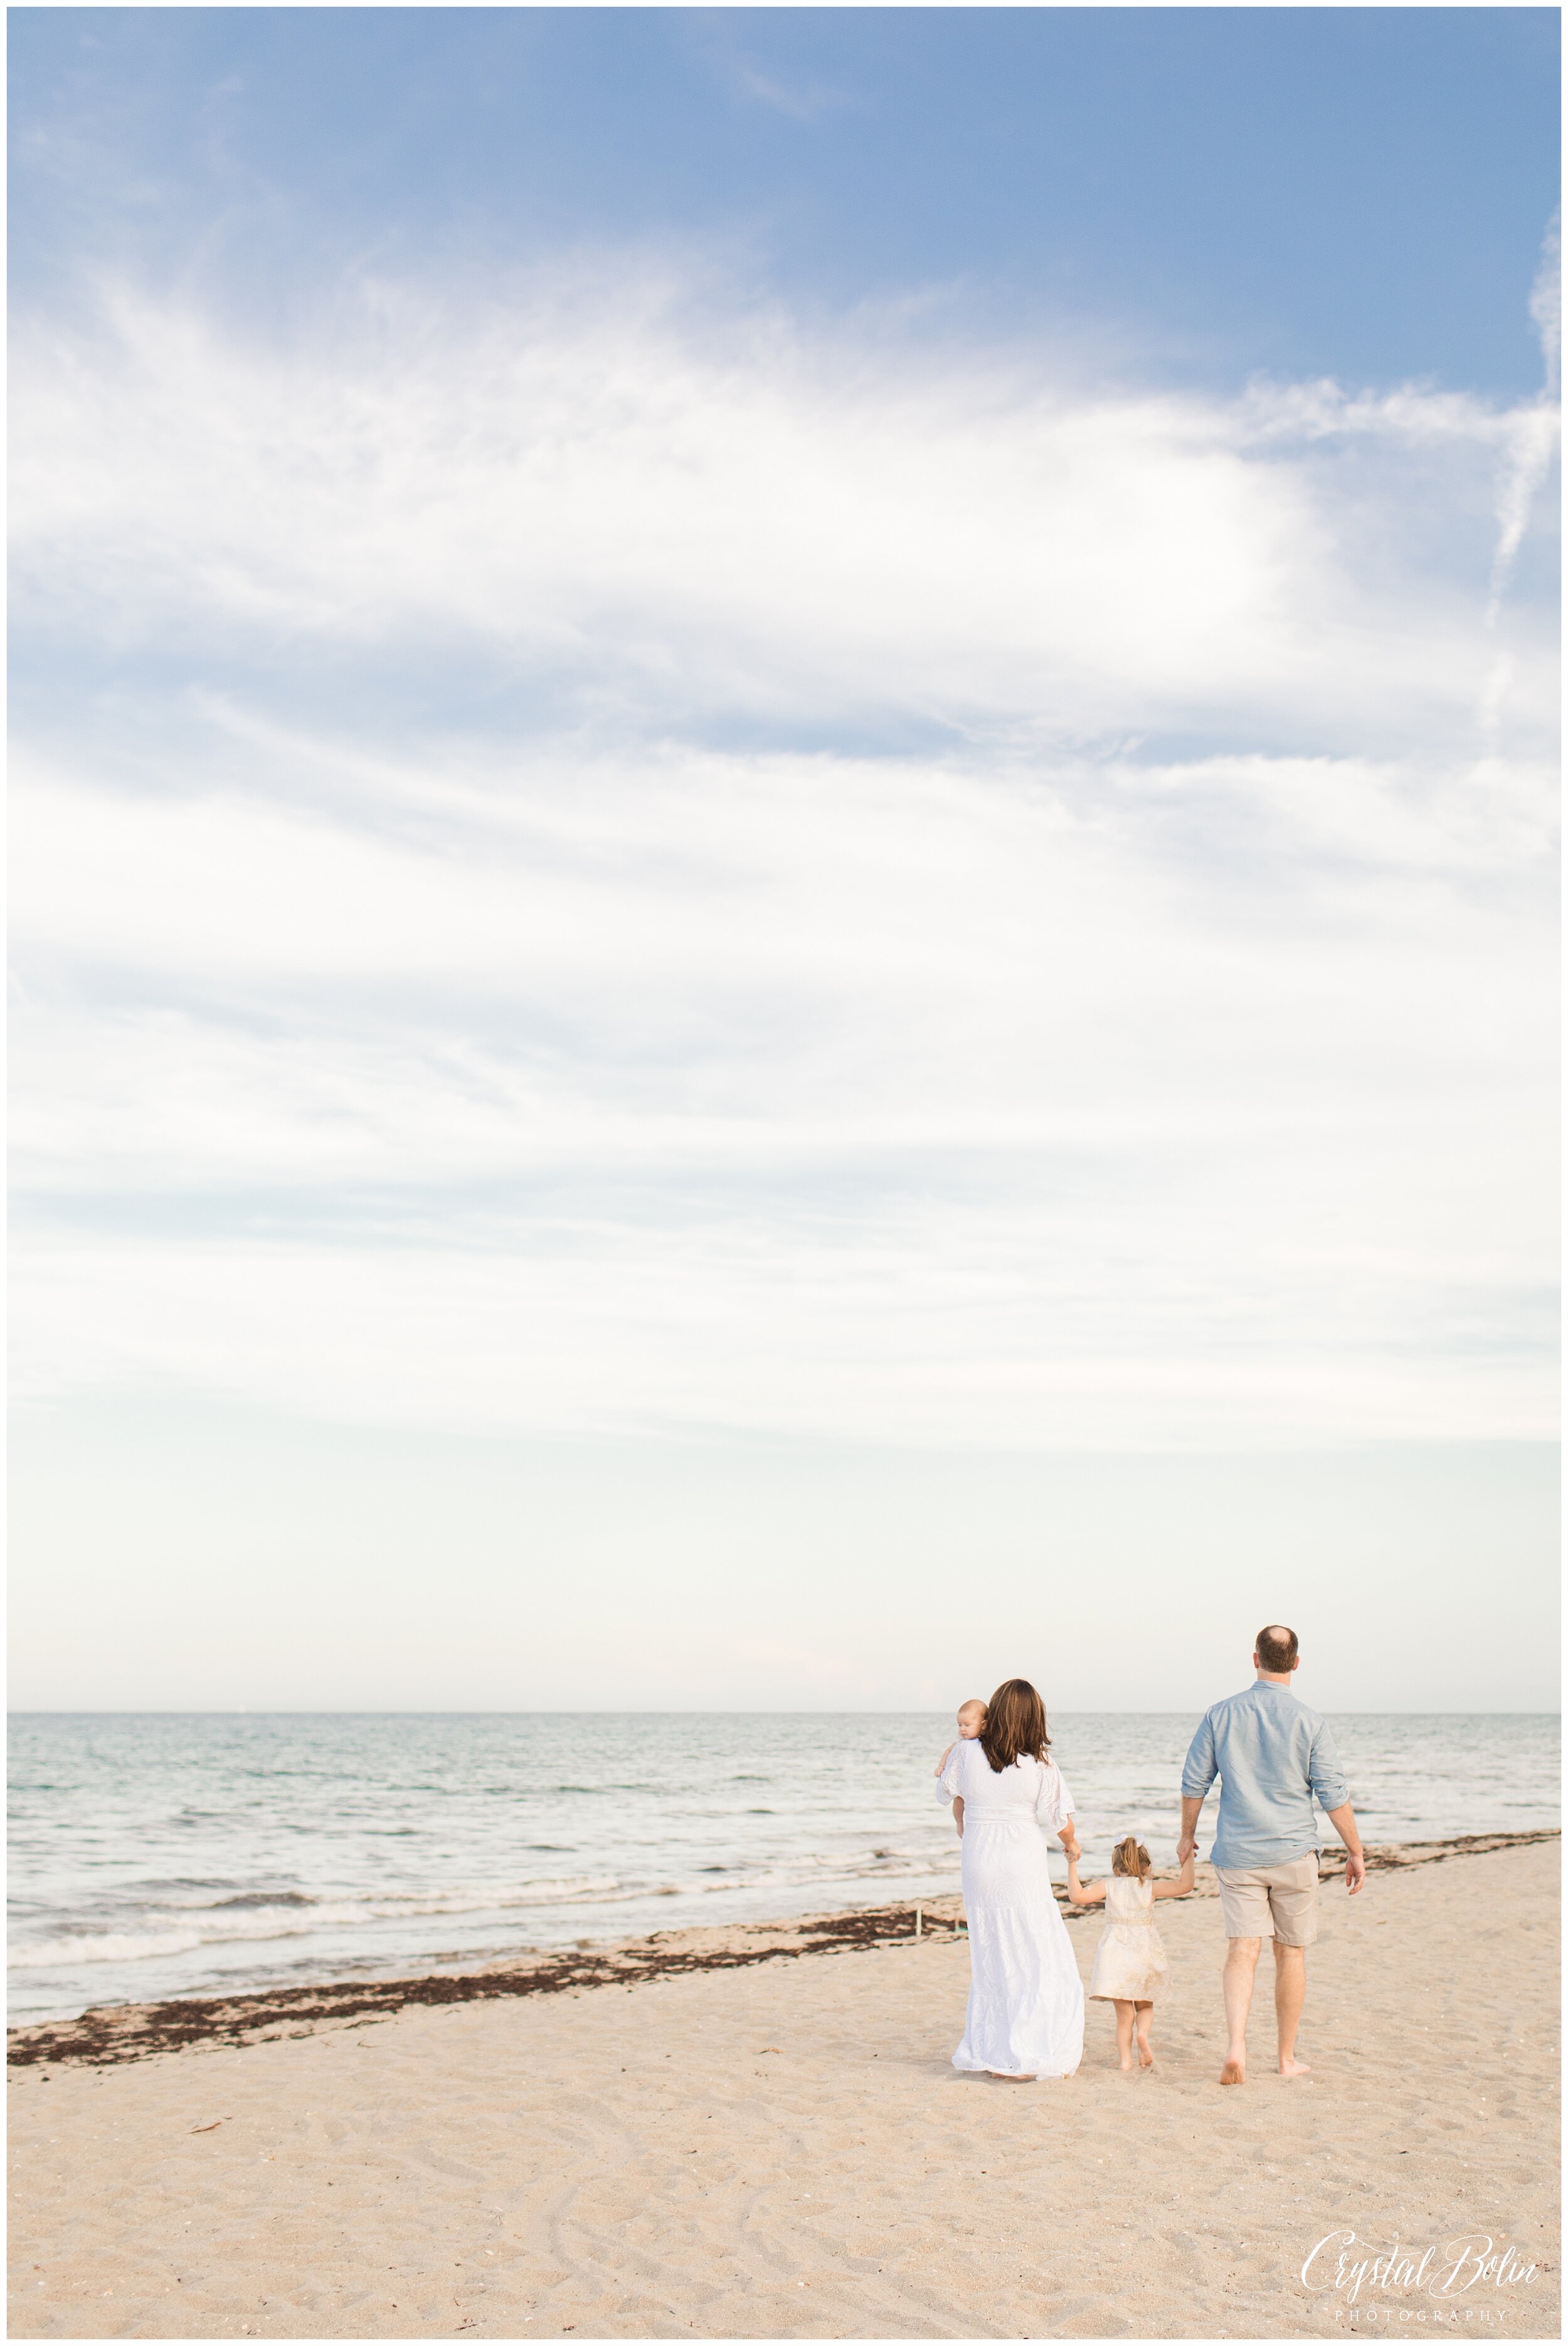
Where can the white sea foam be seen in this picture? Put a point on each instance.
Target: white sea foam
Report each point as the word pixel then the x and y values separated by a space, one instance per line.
pixel 254 1923
pixel 166 1856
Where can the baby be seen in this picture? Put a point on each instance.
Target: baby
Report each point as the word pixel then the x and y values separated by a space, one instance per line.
pixel 972 1718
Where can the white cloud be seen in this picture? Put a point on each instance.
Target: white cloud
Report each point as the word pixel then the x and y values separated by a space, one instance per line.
pixel 1536 434
pixel 691 523
pixel 1045 1086
pixel 1546 304
pixel 814 1095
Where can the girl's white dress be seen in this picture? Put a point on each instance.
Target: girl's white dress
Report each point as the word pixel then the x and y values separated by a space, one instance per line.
pixel 1130 1960
pixel 1025 2015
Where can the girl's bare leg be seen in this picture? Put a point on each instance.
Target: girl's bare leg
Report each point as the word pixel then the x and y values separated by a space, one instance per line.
pixel 1123 2030
pixel 1145 2051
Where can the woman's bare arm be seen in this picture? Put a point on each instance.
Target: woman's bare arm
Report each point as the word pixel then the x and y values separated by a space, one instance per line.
pixel 958 1813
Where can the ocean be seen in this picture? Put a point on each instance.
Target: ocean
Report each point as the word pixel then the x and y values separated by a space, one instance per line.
pixel 167 1855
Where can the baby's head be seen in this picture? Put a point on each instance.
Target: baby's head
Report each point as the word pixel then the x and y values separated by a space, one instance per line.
pixel 972 1718
pixel 1130 1857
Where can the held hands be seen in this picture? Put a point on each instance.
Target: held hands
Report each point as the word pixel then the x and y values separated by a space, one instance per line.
pixel 1076 1894
pixel 1186 1847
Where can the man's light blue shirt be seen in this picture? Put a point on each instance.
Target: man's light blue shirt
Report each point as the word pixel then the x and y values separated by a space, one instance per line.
pixel 1273 1756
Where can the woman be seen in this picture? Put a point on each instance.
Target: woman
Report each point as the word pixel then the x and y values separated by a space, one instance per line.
pixel 1026 1999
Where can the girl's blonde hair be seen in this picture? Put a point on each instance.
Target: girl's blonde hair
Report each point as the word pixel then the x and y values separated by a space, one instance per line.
pixel 1130 1856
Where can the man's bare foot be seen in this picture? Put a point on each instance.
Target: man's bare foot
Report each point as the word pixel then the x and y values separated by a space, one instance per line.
pixel 1294 2068
pixel 1233 2073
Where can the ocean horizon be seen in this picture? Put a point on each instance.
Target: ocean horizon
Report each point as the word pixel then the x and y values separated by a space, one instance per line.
pixel 170 1853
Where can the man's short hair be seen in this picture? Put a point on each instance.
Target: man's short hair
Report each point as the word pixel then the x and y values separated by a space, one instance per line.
pixel 1276 1648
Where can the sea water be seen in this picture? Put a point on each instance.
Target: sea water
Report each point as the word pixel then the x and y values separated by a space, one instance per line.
pixel 165 1855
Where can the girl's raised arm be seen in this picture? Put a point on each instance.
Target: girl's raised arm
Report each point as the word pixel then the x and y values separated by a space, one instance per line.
pixel 1095 1893
pixel 1181 1885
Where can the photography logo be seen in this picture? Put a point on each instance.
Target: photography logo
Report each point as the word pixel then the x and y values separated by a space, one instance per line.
pixel 1459 2282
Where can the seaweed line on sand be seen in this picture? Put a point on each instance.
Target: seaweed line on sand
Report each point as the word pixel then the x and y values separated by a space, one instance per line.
pixel 109 2034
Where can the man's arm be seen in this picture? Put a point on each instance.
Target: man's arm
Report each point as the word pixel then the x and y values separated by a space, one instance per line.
pixel 1343 1819
pixel 1332 1795
pixel 1197 1775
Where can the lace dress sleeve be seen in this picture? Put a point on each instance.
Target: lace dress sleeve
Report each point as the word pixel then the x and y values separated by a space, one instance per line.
pixel 949 1783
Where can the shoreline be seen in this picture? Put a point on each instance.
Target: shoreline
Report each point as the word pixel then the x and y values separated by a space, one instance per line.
pixel 757 2148
pixel 108 2036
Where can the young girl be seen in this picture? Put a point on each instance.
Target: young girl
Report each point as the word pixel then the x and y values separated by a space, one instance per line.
pixel 1129 1962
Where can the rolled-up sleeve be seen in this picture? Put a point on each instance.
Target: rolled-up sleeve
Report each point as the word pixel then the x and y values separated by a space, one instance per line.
pixel 1201 1766
pixel 1330 1789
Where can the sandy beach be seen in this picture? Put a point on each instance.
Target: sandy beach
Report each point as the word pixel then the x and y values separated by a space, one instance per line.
pixel 757 2134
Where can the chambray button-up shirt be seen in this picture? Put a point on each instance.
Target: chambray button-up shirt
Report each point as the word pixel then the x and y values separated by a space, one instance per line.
pixel 1273 1756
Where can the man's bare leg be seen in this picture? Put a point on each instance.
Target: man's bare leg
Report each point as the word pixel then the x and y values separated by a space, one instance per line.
pixel 1240 1969
pixel 1289 1995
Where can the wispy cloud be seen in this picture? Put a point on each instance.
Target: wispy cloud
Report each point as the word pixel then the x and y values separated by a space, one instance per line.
pixel 1532 443
pixel 680 524
pixel 731 57
pixel 1546 304
pixel 801 101
pixel 725 879
pixel 1536 432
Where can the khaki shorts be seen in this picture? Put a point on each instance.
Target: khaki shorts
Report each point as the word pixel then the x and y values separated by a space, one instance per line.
pixel 1271 1902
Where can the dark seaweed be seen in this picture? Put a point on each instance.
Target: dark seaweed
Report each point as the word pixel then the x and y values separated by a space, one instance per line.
pixel 111 2034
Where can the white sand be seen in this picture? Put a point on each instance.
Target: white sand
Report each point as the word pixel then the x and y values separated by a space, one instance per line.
pixel 786 2152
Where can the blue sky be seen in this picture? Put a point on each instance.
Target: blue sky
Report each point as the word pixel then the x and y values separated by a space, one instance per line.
pixel 1354 192
pixel 751 747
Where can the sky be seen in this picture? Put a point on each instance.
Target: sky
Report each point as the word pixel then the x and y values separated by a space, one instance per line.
pixel 784 897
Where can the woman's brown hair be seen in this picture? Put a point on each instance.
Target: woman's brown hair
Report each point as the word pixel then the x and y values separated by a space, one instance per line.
pixel 1014 1725
pixel 1130 1856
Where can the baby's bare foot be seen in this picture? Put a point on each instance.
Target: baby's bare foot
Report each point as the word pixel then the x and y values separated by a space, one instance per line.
pixel 1233 2073
pixel 1294 2068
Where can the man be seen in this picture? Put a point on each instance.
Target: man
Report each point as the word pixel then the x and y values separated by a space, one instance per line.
pixel 1273 1756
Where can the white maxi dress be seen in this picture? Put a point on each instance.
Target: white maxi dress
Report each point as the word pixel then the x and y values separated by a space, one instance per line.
pixel 1025 2016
